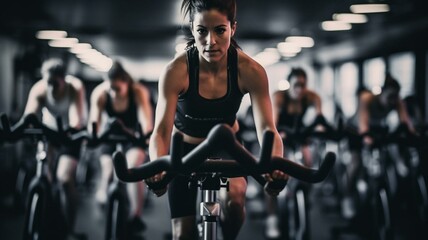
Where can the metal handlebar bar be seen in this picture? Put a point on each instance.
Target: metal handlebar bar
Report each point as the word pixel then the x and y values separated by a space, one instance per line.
pixel 401 135
pixel 221 137
pixel 30 125
pixel 302 133
pixel 115 132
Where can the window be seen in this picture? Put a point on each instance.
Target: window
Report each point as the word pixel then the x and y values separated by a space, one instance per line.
pixel 346 88
pixel 402 68
pixel 374 74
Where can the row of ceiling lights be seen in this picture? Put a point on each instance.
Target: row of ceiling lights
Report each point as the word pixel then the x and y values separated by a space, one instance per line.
pixel 83 51
pixel 344 21
pixel 341 21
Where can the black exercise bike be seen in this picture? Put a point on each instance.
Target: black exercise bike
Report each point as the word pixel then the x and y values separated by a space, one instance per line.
pixel 294 210
pixel 117 197
pixel 45 218
pixel 211 172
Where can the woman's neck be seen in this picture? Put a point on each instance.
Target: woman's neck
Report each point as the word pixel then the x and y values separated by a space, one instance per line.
pixel 213 67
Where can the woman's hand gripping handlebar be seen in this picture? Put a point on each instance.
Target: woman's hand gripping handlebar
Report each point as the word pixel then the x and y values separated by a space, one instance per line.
pixel 114 132
pixel 30 125
pixel 198 161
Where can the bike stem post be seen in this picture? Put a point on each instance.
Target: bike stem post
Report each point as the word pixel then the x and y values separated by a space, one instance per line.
pixel 209 207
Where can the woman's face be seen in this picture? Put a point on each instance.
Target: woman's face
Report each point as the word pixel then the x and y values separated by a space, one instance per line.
pixel 212 32
pixel 118 88
pixel 297 86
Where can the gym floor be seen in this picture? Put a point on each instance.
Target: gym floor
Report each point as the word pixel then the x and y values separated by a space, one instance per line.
pixel 324 217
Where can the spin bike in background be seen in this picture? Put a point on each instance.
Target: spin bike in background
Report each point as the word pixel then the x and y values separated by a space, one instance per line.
pixel 118 206
pixel 410 198
pixel 377 185
pixel 294 209
pixel 45 217
pixel 211 172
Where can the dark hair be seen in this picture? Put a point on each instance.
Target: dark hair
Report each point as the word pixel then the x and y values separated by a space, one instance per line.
pixel 191 7
pixel 53 67
pixel 391 83
pixel 296 72
pixel 118 72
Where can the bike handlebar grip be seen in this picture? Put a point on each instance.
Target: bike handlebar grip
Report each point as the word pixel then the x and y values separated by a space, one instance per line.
pixel 31 119
pixel 266 149
pixel 160 184
pixel 94 130
pixel 59 125
pixel 142 172
pixel 303 173
pixel 176 151
pixel 5 123
pixel 278 184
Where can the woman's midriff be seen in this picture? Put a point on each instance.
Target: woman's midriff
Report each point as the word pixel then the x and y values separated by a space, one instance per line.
pixel 196 140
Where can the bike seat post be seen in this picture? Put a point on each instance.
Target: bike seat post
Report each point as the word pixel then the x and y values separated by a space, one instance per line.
pixel 209 207
pixel 119 148
pixel 41 157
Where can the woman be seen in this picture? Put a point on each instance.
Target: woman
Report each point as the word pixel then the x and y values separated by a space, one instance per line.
pixel 59 94
pixel 291 105
pixel 199 89
pixel 290 108
pixel 119 97
pixel 371 116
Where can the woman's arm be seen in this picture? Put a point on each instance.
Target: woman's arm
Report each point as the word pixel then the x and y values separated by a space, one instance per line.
pixel 404 116
pixel 315 101
pixel 255 82
pixel 35 97
pixel 363 112
pixel 278 101
pixel 145 109
pixel 78 108
pixel 97 102
pixel 170 86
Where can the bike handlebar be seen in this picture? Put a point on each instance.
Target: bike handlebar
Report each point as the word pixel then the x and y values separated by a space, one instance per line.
pixel 401 135
pixel 115 132
pixel 302 133
pixel 221 137
pixel 30 125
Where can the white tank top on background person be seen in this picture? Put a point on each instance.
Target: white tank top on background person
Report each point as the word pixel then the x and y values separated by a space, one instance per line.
pixel 58 108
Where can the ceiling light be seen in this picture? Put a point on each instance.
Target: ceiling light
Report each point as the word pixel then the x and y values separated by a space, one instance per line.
pixel 335 26
pixel 63 42
pixel 268 56
pixel 301 41
pixel 80 48
pixel 350 17
pixel 89 53
pixel 288 47
pixel 369 8
pixel 51 34
pixel 288 55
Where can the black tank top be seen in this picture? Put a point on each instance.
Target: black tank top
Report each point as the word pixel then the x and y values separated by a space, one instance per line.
pixel 196 115
pixel 129 116
pixel 295 120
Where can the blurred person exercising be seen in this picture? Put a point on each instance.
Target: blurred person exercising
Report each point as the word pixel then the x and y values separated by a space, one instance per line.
pixel 60 95
pixel 371 114
pixel 119 97
pixel 290 107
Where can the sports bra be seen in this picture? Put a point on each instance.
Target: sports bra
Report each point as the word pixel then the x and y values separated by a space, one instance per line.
pixel 291 120
pixel 195 114
pixel 129 116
